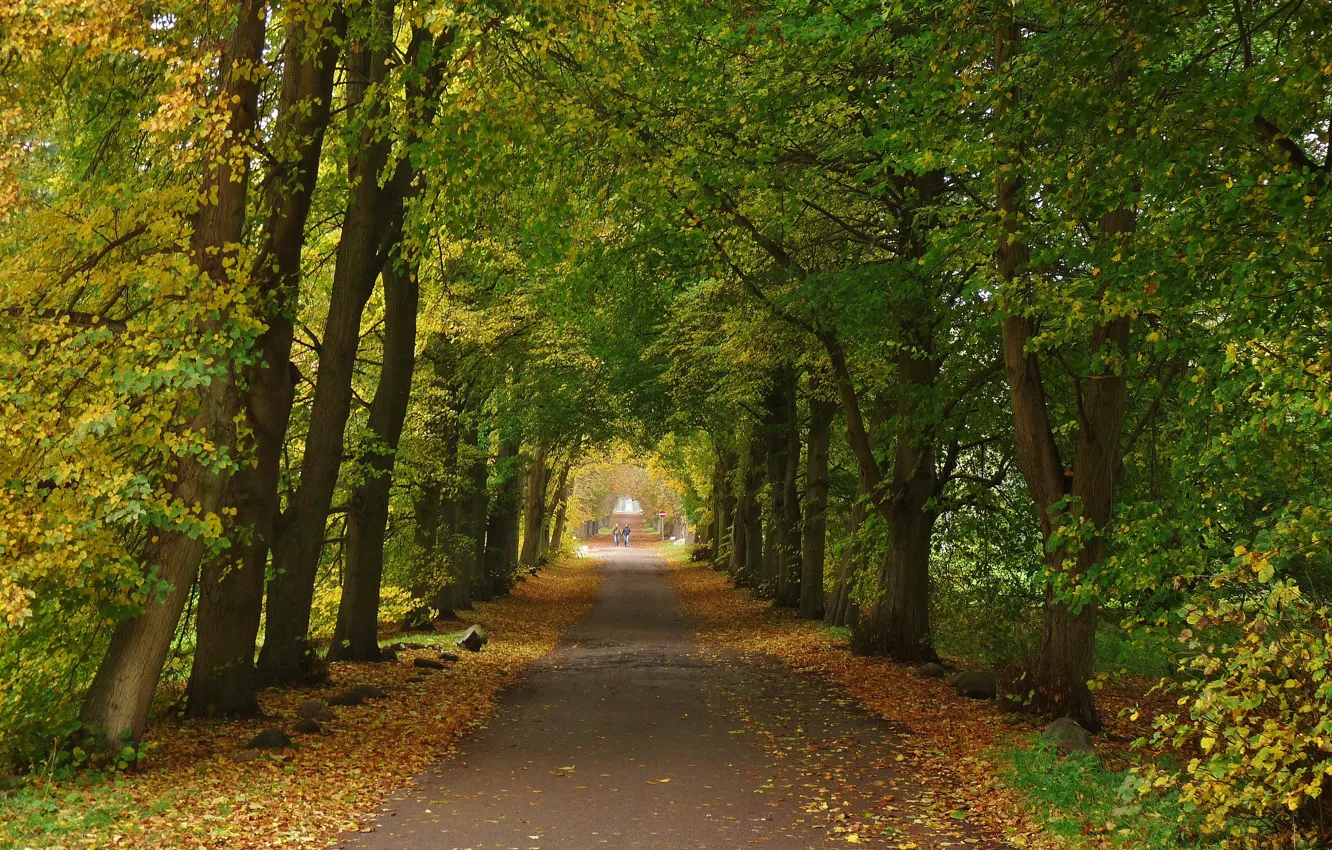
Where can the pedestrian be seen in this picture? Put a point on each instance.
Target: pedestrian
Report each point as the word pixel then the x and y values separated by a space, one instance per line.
pixel 626 534
pixel 615 532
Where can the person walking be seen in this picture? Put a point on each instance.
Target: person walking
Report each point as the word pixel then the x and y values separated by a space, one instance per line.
pixel 626 534
pixel 615 532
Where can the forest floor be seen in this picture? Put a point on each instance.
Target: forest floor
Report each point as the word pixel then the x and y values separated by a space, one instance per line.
pixel 976 760
pixel 644 702
pixel 191 794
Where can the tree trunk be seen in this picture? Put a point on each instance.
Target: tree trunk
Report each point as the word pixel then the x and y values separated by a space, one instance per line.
pixel 1066 662
pixel 534 507
pixel 502 523
pixel 898 625
pixel 751 566
pixel 848 567
pixel 231 597
pixel 118 701
pixel 562 506
pixel 477 511
pixel 356 637
pixel 789 559
pixel 724 498
pixel 816 508
pixel 286 657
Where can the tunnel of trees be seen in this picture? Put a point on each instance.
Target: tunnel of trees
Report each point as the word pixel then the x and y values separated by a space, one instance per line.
pixel 998 330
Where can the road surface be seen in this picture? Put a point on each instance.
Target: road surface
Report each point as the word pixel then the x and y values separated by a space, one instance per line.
pixel 627 736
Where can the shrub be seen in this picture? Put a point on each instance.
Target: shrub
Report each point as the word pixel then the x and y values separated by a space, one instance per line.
pixel 1259 718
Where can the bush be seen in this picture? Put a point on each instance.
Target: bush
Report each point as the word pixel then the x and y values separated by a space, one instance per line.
pixel 1259 718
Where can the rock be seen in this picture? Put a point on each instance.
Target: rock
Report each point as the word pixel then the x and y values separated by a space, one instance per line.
pixel 388 656
pixel 307 726
pixel 976 684
pixel 12 783
pixel 931 670
pixel 1069 737
pixel 314 709
pixel 414 680
pixel 347 698
pixel 429 664
pixel 474 638
pixel 246 755
pixel 357 695
pixel 448 656
pixel 269 739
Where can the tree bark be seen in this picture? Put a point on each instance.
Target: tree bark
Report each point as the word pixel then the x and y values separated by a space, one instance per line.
pixel 751 565
pixel 724 507
pixel 477 511
pixel 502 522
pixel 898 625
pixel 562 506
pixel 534 508
pixel 222 680
pixel 367 237
pixel 356 637
pixel 789 559
pixel 118 701
pixel 1066 662
pixel 286 656
pixel 816 508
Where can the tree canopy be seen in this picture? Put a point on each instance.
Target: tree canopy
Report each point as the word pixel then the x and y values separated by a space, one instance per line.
pixel 997 330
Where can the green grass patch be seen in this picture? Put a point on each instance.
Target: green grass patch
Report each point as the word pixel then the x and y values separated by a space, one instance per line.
pixel 1083 803
pixel 58 812
pixel 436 639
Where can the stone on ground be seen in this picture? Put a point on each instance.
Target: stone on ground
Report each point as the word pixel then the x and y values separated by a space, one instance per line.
pixel 357 695
pixel 1069 737
pixel 269 739
pixel 448 656
pixel 931 670
pixel 307 726
pixel 314 709
pixel 474 638
pixel 429 664
pixel 246 755
pixel 976 684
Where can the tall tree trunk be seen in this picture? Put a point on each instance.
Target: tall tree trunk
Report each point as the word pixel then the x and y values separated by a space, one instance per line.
pixel 562 506
pixel 286 656
pixel 789 560
pixel 751 565
pixel 121 694
pixel 898 625
pixel 534 508
pixel 816 508
pixel 502 522
pixel 850 560
pixel 231 597
pixel 477 511
pixel 724 500
pixel 1066 662
pixel 735 563
pixel 356 637
pixel 427 510
pixel 464 549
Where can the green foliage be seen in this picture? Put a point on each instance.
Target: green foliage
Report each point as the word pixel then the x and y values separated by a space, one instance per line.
pixel 1258 715
pixel 1077 799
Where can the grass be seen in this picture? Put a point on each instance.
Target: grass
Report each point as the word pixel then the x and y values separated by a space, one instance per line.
pixel 1084 804
pixel 414 639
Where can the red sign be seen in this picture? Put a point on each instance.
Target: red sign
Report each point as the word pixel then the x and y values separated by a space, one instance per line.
pixel 661 514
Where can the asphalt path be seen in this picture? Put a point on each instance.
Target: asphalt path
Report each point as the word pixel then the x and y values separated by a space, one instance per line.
pixel 630 736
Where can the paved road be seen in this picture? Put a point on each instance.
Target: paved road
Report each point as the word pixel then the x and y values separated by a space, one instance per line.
pixel 625 737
